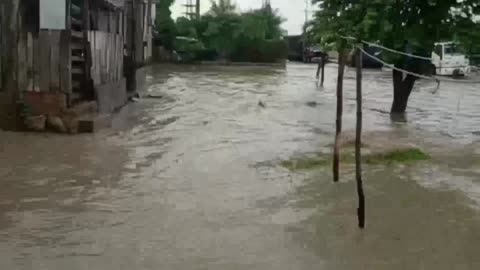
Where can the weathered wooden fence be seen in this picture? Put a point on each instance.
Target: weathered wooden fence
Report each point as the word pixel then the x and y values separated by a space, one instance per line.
pixel 48 61
pixel 44 61
pixel 107 57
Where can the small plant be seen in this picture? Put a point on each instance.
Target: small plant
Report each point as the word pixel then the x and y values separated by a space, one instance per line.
pixel 321 160
pixel 399 155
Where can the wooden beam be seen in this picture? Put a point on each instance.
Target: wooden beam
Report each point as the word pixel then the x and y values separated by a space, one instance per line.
pixel 336 150
pixel 358 142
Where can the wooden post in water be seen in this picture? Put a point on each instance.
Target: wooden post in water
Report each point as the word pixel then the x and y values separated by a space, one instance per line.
pixel 321 66
pixel 358 142
pixel 336 150
pixel 324 60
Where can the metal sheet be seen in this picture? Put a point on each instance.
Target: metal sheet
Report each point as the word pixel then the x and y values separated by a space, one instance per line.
pixel 53 14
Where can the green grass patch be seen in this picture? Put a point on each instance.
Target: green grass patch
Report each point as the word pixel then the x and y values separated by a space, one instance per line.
pixel 321 160
pixel 399 156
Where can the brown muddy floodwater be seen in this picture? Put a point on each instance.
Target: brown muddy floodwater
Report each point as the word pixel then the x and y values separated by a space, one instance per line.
pixel 191 180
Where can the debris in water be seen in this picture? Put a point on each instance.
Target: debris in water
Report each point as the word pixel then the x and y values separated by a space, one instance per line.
pixel 261 104
pixel 134 98
pixel 312 104
pixel 154 96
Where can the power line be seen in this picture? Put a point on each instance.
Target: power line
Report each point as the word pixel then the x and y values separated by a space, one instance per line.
pixel 433 78
pixel 399 69
pixel 192 8
pixel 387 49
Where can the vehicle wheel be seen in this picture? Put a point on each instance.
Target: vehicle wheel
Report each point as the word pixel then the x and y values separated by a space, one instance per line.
pixel 458 74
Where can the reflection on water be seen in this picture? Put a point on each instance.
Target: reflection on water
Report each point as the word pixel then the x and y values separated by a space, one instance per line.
pixel 190 180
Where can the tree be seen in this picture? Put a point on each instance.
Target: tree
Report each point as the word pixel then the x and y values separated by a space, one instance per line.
pixel 405 25
pixel 221 33
pixel 186 28
pixel 222 8
pixel 255 35
pixel 164 24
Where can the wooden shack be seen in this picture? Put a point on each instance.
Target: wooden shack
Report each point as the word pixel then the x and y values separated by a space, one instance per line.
pixel 67 52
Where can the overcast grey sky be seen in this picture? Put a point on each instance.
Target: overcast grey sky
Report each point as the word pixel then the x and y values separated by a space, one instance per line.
pixel 292 10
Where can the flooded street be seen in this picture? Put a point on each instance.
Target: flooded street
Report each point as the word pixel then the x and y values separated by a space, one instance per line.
pixel 188 177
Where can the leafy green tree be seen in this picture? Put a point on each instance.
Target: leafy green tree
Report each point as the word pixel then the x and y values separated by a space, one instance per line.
pixel 221 33
pixel 406 25
pixel 255 35
pixel 186 28
pixel 164 24
pixel 223 8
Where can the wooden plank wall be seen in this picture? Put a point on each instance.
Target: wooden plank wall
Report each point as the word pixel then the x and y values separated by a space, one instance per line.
pixel 139 32
pixel 45 62
pixel 107 57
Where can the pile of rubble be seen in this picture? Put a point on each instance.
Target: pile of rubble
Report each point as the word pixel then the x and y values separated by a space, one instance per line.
pixel 78 119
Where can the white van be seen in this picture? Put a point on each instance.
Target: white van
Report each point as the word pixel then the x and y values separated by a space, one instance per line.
pixel 449 60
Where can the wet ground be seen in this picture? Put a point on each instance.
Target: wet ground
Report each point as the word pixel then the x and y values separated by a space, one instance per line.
pixel 191 179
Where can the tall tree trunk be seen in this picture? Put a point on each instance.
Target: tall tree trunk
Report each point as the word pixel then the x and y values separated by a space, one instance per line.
pixel 402 88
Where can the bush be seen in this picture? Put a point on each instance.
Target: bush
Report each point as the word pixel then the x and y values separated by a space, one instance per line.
pixel 261 51
pixel 188 48
pixel 253 36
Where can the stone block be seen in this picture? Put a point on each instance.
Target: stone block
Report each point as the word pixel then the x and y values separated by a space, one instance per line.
pixel 36 123
pixel 55 123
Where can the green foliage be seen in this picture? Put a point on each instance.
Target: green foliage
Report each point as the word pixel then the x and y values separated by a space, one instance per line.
pixel 224 8
pixel 405 25
pixel 186 28
pixel 164 25
pixel 400 155
pixel 188 48
pixel 254 36
pixel 260 51
pixel 221 33
pixel 467 32
pixel 321 160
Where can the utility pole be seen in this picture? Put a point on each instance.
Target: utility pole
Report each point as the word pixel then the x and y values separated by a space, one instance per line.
pixel 304 34
pixel 192 9
pixel 307 5
pixel 198 9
